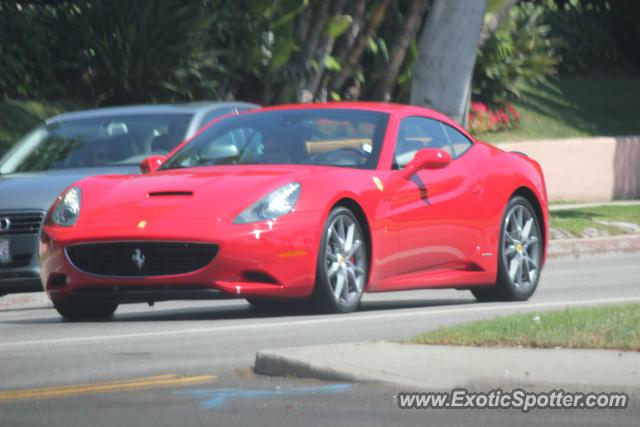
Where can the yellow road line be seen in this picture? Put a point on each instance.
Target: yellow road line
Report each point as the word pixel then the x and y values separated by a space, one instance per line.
pixel 79 389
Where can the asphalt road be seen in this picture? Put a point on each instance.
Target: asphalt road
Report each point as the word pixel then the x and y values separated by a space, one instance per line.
pixel 189 363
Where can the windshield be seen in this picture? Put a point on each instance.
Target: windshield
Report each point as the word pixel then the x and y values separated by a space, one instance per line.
pixel 96 142
pixel 335 137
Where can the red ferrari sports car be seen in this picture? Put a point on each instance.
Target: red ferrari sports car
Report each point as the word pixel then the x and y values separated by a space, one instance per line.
pixel 314 201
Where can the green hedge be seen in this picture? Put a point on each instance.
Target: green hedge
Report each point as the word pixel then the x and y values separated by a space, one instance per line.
pixel 18 117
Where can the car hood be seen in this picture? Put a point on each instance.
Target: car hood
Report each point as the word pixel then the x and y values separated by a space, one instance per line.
pixel 38 190
pixel 219 192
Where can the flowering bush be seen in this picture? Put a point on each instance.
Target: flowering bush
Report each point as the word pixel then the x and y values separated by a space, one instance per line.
pixel 484 119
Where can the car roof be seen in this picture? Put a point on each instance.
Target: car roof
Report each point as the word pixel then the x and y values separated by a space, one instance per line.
pixel 187 108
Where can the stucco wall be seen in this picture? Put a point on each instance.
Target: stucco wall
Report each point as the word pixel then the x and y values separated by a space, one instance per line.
pixel 587 169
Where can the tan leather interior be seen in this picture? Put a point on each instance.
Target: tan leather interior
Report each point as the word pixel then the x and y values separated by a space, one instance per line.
pixel 314 147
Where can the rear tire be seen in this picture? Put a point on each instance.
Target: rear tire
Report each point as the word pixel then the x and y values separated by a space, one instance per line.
pixel 519 255
pixel 343 265
pixel 85 310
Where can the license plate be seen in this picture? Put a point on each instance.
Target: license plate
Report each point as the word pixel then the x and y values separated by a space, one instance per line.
pixel 5 253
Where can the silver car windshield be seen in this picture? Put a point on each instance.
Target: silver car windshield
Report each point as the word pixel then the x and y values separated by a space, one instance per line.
pixel 96 142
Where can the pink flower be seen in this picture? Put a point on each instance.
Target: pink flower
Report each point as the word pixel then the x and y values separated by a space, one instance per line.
pixel 484 119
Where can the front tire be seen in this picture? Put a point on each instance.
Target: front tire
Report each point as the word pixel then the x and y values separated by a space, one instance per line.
pixel 519 255
pixel 85 310
pixel 343 265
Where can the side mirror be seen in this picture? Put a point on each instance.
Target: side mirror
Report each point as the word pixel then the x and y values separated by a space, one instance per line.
pixel 151 163
pixel 427 158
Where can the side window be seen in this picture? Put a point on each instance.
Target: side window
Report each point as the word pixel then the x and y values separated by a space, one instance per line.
pixel 416 133
pixel 459 142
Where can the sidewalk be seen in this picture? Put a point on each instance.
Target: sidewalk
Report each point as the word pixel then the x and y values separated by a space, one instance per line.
pixel 448 367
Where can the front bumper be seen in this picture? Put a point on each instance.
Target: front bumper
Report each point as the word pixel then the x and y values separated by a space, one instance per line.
pixel 275 259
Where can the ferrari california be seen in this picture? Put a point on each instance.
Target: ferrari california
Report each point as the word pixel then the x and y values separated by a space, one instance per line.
pixel 320 202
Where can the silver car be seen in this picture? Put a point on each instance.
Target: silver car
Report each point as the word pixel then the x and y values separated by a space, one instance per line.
pixel 72 146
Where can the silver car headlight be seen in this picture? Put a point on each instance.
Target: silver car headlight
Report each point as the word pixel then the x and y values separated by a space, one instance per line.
pixel 67 210
pixel 275 204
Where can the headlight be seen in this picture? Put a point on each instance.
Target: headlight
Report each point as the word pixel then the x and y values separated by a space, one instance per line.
pixel 273 205
pixel 67 210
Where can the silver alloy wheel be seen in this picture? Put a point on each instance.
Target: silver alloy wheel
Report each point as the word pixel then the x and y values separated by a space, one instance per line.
pixel 521 247
pixel 345 260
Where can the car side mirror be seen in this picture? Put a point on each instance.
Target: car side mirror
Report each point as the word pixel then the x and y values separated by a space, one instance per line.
pixel 151 163
pixel 427 158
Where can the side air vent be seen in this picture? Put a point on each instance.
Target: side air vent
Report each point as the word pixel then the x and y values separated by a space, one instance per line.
pixel 259 277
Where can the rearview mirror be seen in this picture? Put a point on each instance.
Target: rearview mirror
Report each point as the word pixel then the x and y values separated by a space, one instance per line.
pixel 427 158
pixel 151 164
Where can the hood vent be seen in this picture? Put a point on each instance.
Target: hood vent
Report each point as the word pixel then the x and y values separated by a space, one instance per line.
pixel 171 193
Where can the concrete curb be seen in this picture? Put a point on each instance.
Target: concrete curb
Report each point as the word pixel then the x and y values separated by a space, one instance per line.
pixel 625 244
pixel 448 367
pixel 277 363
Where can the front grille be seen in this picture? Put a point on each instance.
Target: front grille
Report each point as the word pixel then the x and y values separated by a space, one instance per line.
pixel 130 259
pixel 22 222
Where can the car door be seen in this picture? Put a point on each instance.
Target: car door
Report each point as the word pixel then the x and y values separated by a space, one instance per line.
pixel 434 208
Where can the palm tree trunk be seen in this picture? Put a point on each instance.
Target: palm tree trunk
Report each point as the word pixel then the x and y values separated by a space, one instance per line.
pixel 410 27
pixel 360 44
pixel 324 51
pixel 447 55
pixel 342 52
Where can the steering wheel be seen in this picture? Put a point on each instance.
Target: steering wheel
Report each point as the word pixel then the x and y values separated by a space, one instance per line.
pixel 337 157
